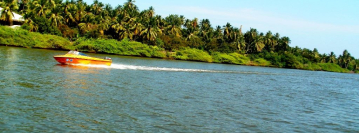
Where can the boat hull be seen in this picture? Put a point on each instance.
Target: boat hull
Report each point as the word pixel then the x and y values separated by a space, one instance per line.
pixel 68 60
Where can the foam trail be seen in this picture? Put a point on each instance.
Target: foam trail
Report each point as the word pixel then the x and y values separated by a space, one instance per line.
pixel 148 68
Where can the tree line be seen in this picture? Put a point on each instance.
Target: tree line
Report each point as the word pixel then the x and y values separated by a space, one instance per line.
pixel 73 19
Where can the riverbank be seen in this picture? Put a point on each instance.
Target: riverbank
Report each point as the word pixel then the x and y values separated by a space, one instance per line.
pixel 22 38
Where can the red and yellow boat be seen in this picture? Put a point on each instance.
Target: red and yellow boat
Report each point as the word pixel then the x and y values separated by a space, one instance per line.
pixel 75 58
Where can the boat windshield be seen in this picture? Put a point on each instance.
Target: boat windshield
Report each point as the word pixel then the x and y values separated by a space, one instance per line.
pixel 76 53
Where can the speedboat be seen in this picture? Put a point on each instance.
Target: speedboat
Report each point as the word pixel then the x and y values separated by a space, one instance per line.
pixel 78 58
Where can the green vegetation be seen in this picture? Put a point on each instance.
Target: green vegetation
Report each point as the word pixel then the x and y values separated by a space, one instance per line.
pixel 125 30
pixel 24 38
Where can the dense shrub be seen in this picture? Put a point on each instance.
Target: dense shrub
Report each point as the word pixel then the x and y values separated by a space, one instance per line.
pixel 232 58
pixel 192 54
pixel 331 67
pixel 261 62
pixel 123 47
pixel 24 38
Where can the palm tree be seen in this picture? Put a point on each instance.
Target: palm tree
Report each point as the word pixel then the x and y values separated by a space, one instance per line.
pixel 68 7
pixel 40 7
pixel 332 58
pixel 150 32
pixel 23 6
pixel 283 44
pixel 9 6
pixel 79 11
pixel 130 5
pixel 124 27
pixel 33 26
pixel 240 41
pixel 160 22
pixel 191 29
pixel 218 33
pixel 88 23
pixel 258 44
pixel 147 14
pixel 55 16
pixel 130 9
pixel 206 30
pixel 254 41
pixel 323 58
pixel 227 32
pixel 136 28
pixel 96 7
pixel 270 41
pixel 345 59
pixel 174 23
pixel 104 24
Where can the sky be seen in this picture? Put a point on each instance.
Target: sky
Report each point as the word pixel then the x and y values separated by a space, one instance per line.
pixel 328 25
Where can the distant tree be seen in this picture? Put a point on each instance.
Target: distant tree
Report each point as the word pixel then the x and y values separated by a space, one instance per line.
pixel 7 12
pixel 332 58
pixel 174 23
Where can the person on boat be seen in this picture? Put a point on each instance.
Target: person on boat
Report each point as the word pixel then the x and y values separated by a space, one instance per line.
pixel 76 52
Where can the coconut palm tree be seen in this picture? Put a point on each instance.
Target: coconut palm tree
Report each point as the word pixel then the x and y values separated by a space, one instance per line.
pixel 55 16
pixel 40 7
pixel 218 32
pixel 258 44
pixel 147 14
pixel 79 11
pixel 8 7
pixel 104 24
pixel 130 5
pixel 23 6
pixel 67 15
pixel 96 7
pixel 345 59
pixel 254 42
pixel 191 29
pixel 130 9
pixel 124 26
pixel 32 25
pixel 160 22
pixel 332 58
pixel 227 32
pixel 88 23
pixel 206 30
pixel 136 28
pixel 323 58
pixel 283 44
pixel 174 23
pixel 150 32
pixel 270 41
pixel 240 41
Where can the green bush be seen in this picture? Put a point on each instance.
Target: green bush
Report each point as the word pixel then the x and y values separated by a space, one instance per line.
pixel 262 62
pixel 331 67
pixel 224 58
pixel 240 59
pixel 24 38
pixel 123 47
pixel 193 55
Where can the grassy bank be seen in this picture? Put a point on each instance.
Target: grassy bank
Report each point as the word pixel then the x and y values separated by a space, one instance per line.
pixel 23 38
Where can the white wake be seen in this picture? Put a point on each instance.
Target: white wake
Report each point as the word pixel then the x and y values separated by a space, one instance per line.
pixel 148 68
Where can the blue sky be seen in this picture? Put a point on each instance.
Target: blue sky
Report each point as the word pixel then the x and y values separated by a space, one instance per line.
pixel 328 25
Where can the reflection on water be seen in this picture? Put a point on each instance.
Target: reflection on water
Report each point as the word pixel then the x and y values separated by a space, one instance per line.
pixel 150 95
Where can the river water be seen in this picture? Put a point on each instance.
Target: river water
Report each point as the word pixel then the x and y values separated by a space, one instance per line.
pixel 154 95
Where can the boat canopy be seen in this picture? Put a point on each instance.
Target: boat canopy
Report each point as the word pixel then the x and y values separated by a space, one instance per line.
pixel 76 53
